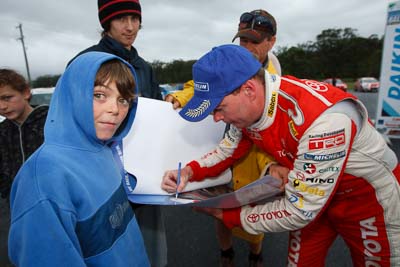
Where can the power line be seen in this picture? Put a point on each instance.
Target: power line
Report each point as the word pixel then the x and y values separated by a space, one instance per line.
pixel 21 38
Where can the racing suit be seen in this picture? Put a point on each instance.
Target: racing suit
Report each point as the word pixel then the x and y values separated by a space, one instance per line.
pixel 343 177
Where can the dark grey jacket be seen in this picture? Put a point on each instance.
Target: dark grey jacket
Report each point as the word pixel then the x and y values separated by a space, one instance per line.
pixel 17 143
pixel 148 85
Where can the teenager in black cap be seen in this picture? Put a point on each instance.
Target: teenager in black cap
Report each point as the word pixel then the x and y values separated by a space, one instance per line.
pixel 121 21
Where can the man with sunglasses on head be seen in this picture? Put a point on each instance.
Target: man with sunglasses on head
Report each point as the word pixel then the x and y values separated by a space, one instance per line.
pixel 257 33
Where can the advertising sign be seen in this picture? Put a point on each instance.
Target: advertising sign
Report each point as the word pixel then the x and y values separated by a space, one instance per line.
pixel 388 111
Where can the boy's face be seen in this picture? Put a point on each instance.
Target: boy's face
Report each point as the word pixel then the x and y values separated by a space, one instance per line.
pixel 125 30
pixel 14 105
pixel 109 110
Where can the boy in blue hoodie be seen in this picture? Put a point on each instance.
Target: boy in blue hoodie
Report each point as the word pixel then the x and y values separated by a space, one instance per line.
pixel 68 204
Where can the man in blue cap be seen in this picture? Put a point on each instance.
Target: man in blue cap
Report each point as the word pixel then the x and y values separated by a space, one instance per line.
pixel 256 31
pixel 343 180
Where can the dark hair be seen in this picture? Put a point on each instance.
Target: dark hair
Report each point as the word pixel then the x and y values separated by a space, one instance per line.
pixel 14 79
pixel 115 70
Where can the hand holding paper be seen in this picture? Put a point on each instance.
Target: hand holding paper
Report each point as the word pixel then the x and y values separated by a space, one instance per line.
pixel 281 173
pixel 263 189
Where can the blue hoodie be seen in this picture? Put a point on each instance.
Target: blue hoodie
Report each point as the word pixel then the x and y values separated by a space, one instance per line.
pixel 69 207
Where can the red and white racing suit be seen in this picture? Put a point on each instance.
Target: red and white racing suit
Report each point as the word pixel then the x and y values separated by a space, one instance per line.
pixel 343 177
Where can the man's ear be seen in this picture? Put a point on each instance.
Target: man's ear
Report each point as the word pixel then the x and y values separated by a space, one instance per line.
pixel 272 42
pixel 249 88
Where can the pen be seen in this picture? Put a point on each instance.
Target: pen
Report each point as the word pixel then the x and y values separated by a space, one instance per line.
pixel 178 179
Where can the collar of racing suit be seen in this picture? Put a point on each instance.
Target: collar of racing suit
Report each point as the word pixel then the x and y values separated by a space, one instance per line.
pixel 272 84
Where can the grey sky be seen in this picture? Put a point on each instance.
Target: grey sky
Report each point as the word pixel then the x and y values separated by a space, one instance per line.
pixel 55 31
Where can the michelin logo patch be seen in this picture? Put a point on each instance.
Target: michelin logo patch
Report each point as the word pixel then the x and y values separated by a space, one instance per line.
pixel 203 87
pixel 326 157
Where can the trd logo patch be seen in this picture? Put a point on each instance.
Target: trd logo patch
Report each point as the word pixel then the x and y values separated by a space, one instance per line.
pixel 327 142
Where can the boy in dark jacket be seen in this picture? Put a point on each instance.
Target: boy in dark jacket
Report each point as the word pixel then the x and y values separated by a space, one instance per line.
pixel 21 133
pixel 121 22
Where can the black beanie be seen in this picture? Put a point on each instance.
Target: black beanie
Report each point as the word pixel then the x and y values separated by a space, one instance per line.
pixel 110 9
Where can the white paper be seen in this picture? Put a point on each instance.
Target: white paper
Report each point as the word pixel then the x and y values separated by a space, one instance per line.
pixel 160 139
pixel 262 190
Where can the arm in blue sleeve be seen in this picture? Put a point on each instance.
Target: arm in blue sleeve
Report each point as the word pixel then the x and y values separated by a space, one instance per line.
pixel 44 235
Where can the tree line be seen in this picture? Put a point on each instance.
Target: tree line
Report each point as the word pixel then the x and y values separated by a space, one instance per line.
pixel 335 53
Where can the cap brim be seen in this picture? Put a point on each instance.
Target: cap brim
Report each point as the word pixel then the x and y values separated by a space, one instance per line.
pixel 198 109
pixel 254 35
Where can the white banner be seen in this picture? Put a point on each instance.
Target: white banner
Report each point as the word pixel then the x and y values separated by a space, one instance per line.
pixel 388 111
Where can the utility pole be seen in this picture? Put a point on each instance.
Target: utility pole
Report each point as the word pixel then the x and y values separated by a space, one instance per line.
pixel 23 47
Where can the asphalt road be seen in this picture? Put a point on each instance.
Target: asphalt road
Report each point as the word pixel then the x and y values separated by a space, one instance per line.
pixel 192 242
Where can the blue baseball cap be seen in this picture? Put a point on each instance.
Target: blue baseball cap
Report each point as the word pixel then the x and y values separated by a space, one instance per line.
pixel 217 74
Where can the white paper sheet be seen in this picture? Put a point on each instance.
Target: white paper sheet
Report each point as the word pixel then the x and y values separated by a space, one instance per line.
pixel 160 139
pixel 262 190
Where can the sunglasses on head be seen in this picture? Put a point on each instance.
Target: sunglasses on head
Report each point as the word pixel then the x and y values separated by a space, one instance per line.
pixel 254 21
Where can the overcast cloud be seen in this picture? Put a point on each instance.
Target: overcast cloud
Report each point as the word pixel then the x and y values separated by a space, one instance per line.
pixel 55 31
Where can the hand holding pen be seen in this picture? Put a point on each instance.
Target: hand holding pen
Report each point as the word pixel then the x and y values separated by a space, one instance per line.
pixel 170 181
